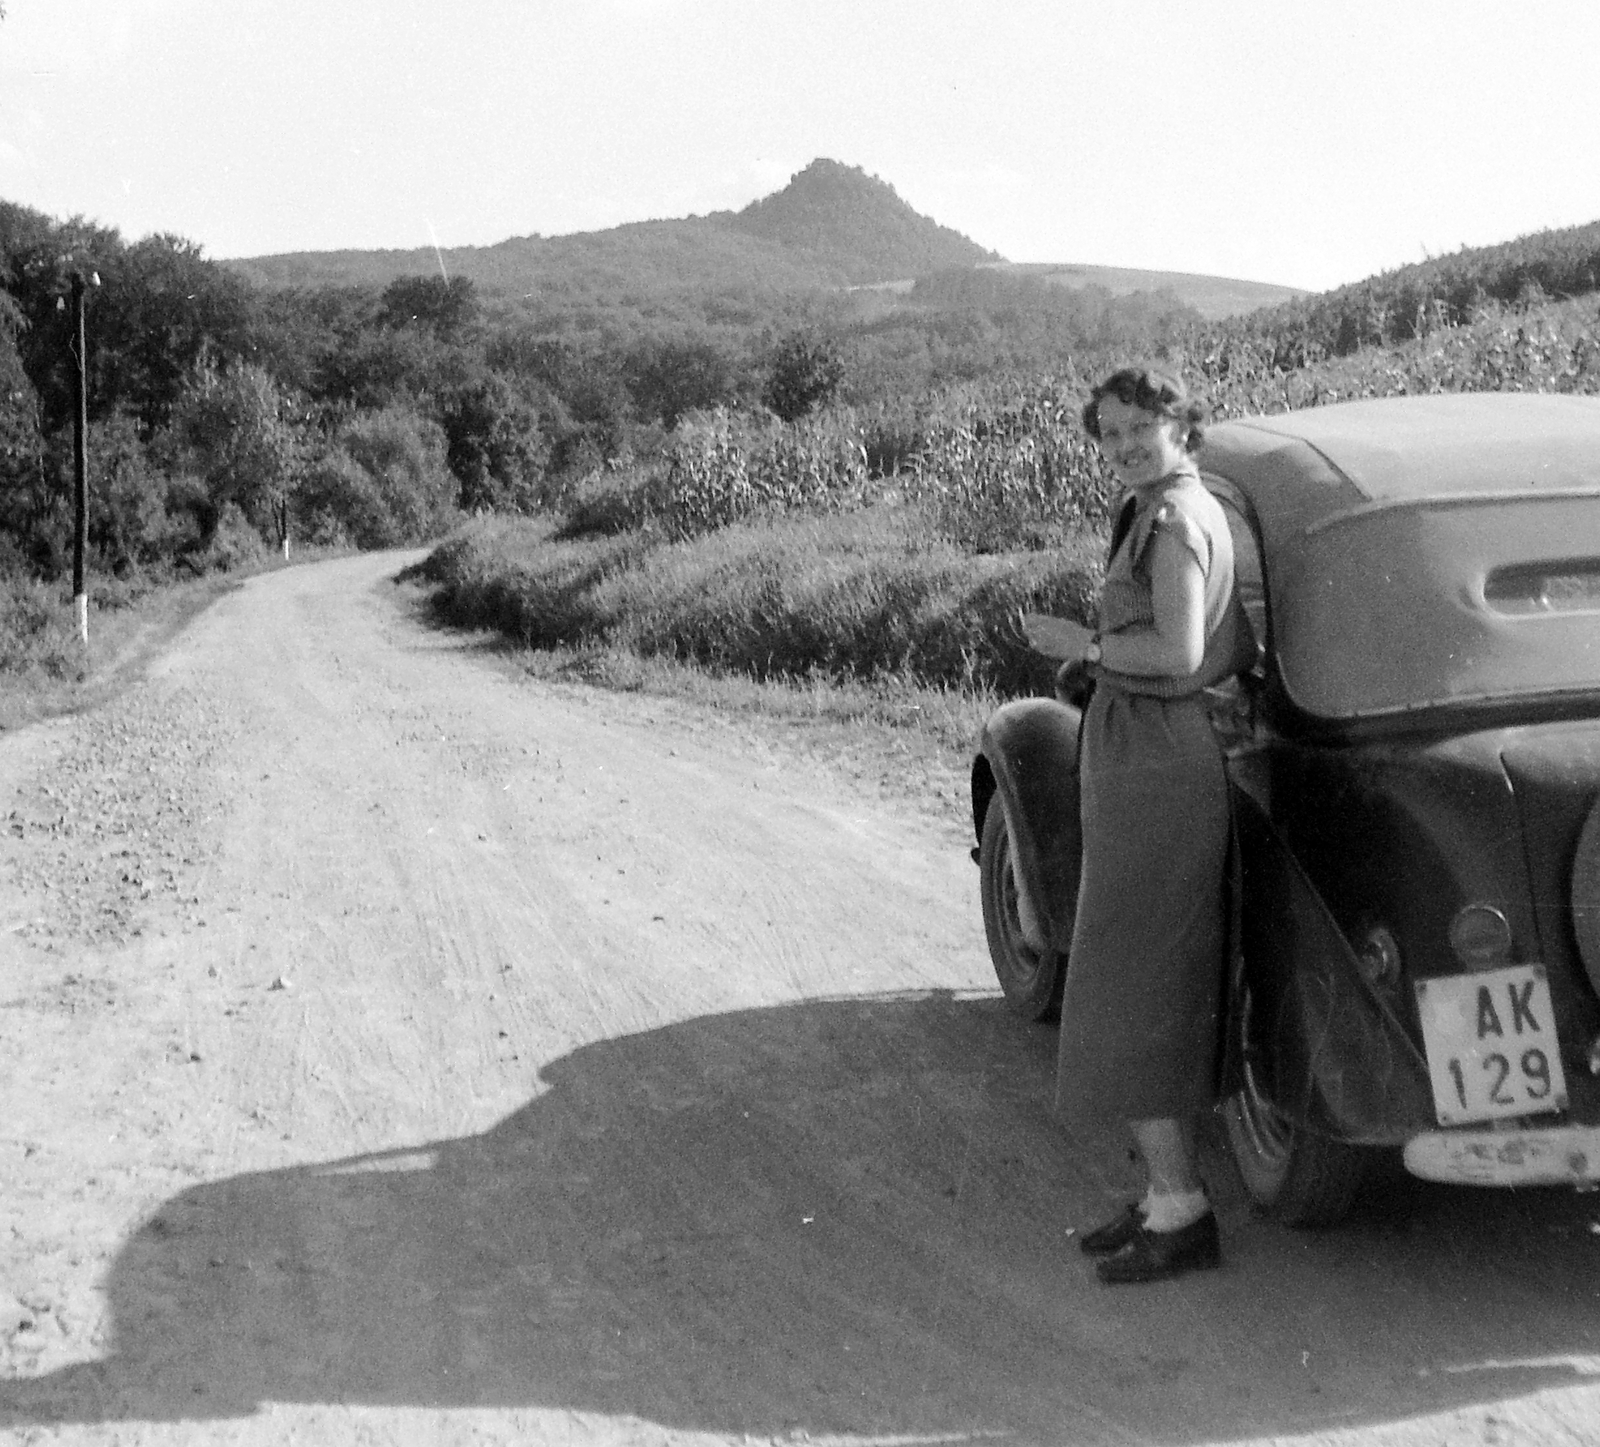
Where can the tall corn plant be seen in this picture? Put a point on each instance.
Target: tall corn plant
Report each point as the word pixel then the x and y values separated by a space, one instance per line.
pixel 722 467
pixel 1012 468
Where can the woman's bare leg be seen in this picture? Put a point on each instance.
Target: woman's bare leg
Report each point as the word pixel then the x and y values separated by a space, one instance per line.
pixel 1168 1147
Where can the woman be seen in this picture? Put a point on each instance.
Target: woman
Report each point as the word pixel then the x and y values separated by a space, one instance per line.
pixel 1144 980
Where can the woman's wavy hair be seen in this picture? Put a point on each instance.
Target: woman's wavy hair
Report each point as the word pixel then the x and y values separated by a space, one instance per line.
pixel 1151 391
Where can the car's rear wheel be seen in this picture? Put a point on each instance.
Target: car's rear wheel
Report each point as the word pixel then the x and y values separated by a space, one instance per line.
pixel 1297 1176
pixel 1031 977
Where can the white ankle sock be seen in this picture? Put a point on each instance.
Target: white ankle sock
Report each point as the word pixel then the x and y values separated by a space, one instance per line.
pixel 1164 1211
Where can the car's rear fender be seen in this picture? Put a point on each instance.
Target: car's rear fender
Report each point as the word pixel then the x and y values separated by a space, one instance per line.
pixel 1329 1050
pixel 1028 759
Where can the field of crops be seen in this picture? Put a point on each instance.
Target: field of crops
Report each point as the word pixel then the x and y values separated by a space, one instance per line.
pixel 906 541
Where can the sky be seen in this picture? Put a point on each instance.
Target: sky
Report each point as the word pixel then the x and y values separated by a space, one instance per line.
pixel 1298 142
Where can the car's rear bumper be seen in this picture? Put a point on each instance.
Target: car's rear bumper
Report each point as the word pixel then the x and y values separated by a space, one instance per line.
pixel 1529 1152
pixel 1527 1155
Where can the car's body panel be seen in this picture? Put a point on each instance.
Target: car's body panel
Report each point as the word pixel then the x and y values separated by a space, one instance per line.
pixel 1404 837
pixel 1029 749
pixel 1554 770
pixel 1334 1054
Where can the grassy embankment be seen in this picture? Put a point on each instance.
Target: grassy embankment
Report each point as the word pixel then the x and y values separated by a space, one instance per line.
pixel 45 669
pixel 767 568
pixel 857 620
pixel 778 568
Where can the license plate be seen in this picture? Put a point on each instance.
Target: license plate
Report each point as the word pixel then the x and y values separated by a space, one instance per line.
pixel 1491 1043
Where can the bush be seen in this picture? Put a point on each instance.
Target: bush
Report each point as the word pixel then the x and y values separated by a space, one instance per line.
pixel 380 483
pixel 494 446
pixel 803 375
pixel 36 630
pixel 234 543
pixel 404 455
pixel 337 504
pixel 127 496
pixel 862 596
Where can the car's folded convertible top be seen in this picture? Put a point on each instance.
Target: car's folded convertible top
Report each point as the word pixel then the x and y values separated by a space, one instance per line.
pixel 1473 574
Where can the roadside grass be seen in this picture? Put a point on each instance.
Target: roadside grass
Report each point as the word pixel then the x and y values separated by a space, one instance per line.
pixel 46 671
pixel 872 597
pixel 861 639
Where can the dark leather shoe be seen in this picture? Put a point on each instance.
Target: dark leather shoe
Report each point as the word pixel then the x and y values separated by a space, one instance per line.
pixel 1156 1255
pixel 1115 1234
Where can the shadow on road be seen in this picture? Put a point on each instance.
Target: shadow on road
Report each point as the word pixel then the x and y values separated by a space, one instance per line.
pixel 838 1216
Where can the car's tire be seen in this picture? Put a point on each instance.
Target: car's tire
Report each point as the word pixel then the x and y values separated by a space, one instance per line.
pixel 1295 1175
pixel 1031 979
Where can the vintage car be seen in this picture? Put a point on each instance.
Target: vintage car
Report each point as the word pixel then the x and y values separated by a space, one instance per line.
pixel 1414 771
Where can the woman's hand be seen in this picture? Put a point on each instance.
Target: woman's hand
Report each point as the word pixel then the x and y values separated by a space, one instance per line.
pixel 1075 682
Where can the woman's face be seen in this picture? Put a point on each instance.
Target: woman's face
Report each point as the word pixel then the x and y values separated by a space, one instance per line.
pixel 1141 446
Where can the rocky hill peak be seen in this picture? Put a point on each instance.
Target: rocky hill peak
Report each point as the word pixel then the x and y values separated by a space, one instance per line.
pixel 857 223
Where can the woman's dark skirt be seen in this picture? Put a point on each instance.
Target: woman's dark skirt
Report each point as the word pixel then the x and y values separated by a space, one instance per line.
pixel 1140 1014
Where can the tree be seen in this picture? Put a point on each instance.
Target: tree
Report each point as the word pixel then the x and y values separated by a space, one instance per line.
pixel 442 306
pixel 127 496
pixel 494 445
pixel 382 481
pixel 667 379
pixel 229 428
pixel 25 495
pixel 162 308
pixel 804 374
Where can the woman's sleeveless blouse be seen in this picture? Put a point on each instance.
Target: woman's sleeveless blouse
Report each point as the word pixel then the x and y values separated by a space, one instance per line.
pixel 1140 1016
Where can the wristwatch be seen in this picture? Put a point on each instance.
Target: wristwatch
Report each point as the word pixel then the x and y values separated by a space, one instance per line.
pixel 1091 654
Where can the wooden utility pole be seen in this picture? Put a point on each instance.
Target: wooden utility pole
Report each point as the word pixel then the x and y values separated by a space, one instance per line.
pixel 80 452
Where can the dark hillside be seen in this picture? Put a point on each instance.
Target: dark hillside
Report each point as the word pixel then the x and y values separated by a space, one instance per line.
pixel 857 223
pixel 644 258
pixel 835 246
pixel 832 226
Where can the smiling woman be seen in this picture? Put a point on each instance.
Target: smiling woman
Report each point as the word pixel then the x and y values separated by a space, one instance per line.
pixel 1143 996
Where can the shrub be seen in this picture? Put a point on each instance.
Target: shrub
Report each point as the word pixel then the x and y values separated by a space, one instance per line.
pixel 233 543
pixel 127 496
pixel 36 631
pixel 337 504
pixel 494 446
pixel 862 596
pixel 404 455
pixel 803 375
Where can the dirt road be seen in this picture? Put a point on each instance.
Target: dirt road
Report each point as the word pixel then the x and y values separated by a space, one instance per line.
pixel 394 1050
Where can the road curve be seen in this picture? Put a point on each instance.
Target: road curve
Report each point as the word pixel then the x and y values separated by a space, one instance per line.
pixel 396 1049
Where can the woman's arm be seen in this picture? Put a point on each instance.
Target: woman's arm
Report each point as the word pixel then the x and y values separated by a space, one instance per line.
pixel 1176 645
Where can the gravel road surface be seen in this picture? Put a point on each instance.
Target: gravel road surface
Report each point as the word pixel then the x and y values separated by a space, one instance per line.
pixel 394 1049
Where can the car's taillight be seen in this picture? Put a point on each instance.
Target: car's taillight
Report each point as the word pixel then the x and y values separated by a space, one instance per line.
pixel 1481 937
